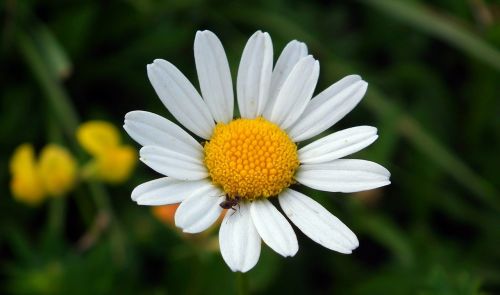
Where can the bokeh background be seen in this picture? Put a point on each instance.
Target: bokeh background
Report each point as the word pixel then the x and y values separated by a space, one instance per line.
pixel 434 94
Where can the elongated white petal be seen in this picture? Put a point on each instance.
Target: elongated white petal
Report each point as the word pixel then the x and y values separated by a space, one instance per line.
pixel 165 191
pixel 173 163
pixel 181 98
pixel 150 129
pixel 295 93
pixel 254 75
pixel 214 75
pixel 343 175
pixel 200 209
pixel 328 107
pixel 317 223
pixel 338 145
pixel 238 239
pixel 289 57
pixel 273 228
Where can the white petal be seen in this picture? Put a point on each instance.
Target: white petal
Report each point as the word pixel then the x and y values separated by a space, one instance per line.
pixel 200 209
pixel 273 228
pixel 317 223
pixel 295 93
pixel 214 75
pixel 338 145
pixel 343 175
pixel 254 75
pixel 328 107
pixel 181 98
pixel 238 239
pixel 173 163
pixel 150 129
pixel 290 56
pixel 165 191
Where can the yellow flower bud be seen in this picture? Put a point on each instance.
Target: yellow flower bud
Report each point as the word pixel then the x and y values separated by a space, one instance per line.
pixel 26 184
pixel 116 164
pixel 58 170
pixel 113 162
pixel 96 137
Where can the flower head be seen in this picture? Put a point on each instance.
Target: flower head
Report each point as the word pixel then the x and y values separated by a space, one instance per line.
pixel 247 160
pixel 113 162
pixel 26 185
pixel 53 174
pixel 58 170
pixel 251 158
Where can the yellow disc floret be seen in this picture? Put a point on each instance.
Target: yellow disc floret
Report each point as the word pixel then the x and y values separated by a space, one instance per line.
pixel 251 158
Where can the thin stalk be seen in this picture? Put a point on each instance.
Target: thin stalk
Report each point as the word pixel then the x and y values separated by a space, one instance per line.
pixel 57 205
pixel 57 208
pixel 241 284
pixel 101 198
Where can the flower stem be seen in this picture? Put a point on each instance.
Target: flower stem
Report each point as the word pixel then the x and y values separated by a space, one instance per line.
pixel 241 284
pixel 56 217
pixel 118 243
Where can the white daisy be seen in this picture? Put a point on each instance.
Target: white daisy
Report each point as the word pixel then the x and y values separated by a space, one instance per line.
pixel 254 158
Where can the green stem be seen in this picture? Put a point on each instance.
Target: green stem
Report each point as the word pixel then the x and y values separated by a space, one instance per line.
pixel 101 198
pixel 241 284
pixel 84 205
pixel 57 206
pixel 56 217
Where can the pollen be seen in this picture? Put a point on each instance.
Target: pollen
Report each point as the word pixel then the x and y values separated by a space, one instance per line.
pixel 251 158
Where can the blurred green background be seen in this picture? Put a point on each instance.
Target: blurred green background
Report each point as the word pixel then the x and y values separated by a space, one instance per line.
pixel 434 73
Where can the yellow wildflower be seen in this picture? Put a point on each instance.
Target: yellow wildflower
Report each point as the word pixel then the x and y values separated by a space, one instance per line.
pixel 57 170
pixel 117 164
pixel 97 137
pixel 26 185
pixel 53 174
pixel 113 162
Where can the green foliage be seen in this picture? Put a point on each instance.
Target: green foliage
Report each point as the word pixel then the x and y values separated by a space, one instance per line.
pixel 433 68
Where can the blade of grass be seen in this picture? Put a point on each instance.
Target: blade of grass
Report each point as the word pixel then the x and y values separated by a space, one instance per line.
pixel 439 26
pixel 57 59
pixel 56 96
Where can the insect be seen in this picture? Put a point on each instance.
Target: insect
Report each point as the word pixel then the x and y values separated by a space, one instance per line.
pixel 230 203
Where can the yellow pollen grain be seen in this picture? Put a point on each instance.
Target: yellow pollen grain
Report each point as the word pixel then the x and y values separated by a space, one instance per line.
pixel 251 158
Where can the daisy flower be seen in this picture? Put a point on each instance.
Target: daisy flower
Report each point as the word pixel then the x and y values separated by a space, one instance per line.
pixel 256 157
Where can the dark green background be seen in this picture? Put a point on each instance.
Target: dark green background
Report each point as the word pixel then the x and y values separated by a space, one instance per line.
pixel 434 89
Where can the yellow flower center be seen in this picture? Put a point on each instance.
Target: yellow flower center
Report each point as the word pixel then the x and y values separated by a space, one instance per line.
pixel 251 158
